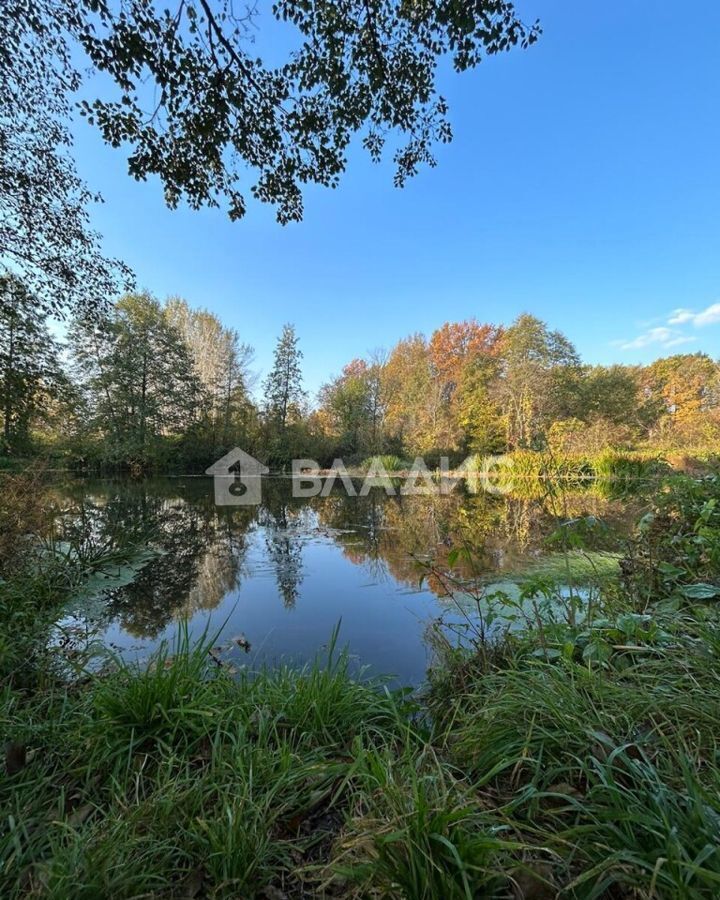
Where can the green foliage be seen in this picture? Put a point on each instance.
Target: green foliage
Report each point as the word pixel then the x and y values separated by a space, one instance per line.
pixel 51 562
pixel 389 462
pixel 138 377
pixel 541 368
pixel 484 390
pixel 595 741
pixel 479 414
pixel 576 773
pixel 630 466
pixel 214 765
pixel 31 376
pixel 155 387
pixel 284 395
pixel 676 553
pixel 421 833
pixel 222 111
pixel 164 387
pixel 353 405
pixel 47 241
pixel 224 416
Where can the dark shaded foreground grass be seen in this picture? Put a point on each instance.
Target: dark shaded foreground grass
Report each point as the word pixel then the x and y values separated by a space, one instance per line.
pixel 520 776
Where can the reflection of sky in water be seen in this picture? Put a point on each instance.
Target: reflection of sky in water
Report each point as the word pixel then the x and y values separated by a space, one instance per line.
pixel 284 574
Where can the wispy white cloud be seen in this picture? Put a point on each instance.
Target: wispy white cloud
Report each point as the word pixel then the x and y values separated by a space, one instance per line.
pixel 708 316
pixel 670 334
pixel 662 336
pixel 681 316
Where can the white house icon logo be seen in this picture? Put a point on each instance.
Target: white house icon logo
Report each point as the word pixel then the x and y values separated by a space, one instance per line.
pixel 237 478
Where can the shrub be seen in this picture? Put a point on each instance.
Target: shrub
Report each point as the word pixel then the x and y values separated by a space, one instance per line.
pixel 676 550
pixel 24 516
pixel 388 462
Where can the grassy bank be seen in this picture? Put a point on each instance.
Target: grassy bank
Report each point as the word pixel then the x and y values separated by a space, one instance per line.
pixel 570 758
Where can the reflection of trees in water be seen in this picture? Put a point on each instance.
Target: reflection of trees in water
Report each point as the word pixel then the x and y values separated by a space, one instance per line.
pixel 286 523
pixel 398 533
pixel 218 568
pixel 204 546
pixel 359 525
pixel 201 546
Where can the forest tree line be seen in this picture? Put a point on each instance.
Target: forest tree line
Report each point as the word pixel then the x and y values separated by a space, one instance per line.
pixel 155 385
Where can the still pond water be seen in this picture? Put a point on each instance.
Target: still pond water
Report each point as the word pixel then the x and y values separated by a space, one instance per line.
pixel 282 574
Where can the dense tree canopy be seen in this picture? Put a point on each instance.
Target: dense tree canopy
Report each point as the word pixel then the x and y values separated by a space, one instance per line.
pixel 479 388
pixel 184 91
pixel 215 109
pixel 31 376
pixel 45 236
pixel 354 408
pixel 138 377
pixel 165 386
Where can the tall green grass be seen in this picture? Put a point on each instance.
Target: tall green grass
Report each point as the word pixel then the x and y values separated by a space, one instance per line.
pixel 389 462
pixel 568 774
pixel 607 762
pixel 153 776
pixel 175 778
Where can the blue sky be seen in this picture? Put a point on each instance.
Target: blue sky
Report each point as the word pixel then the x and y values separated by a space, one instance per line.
pixel 583 185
